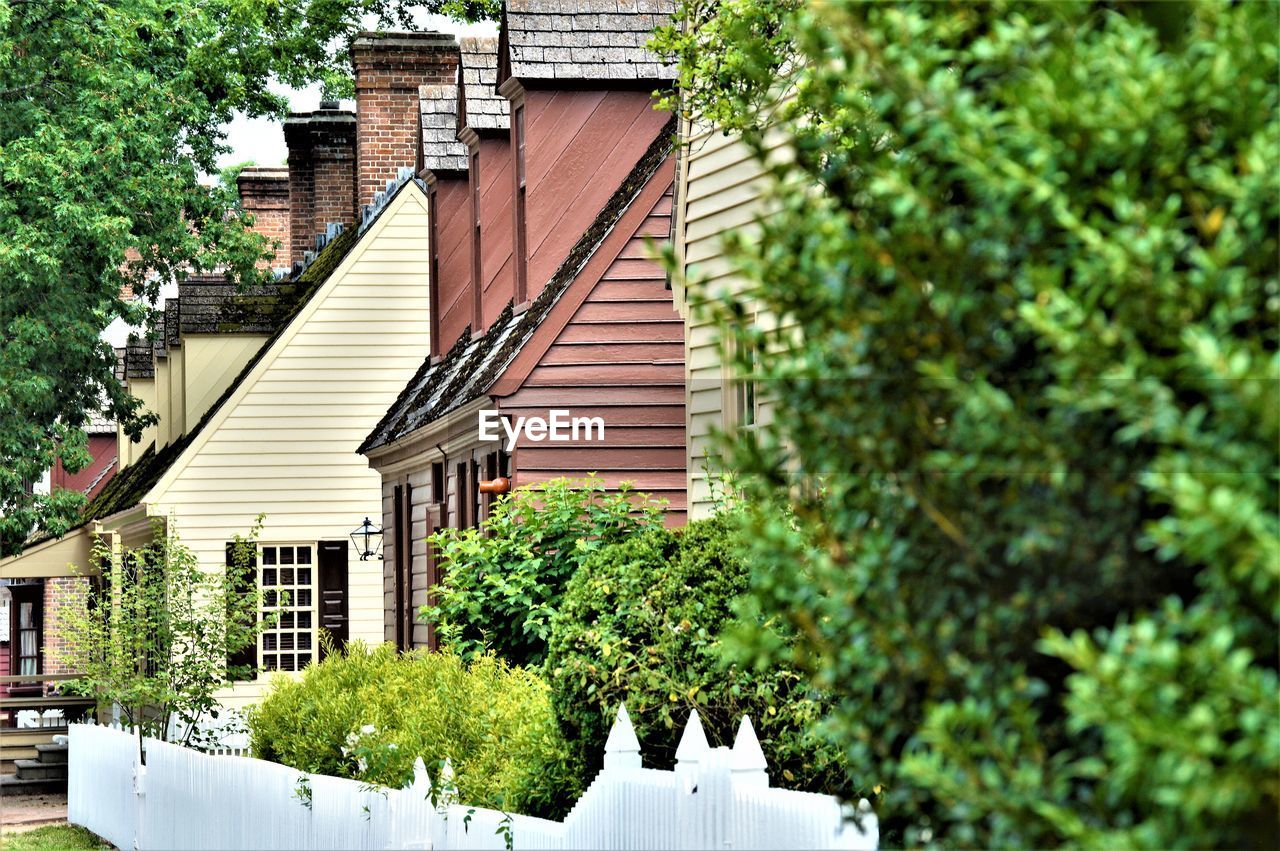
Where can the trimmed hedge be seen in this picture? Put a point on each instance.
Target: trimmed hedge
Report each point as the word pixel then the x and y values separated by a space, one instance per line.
pixel 368 713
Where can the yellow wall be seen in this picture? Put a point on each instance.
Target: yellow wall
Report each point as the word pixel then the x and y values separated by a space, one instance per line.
pixel 720 189
pixel 284 443
pixel 126 450
pixel 177 407
pixel 211 362
pixel 164 429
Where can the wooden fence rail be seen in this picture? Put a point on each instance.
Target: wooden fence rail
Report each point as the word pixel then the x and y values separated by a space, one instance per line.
pixel 180 798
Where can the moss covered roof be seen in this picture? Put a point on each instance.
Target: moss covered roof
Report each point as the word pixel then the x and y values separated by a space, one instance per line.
pixel 131 485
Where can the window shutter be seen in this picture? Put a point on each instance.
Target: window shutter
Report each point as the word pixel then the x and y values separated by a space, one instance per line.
pixel 243 584
pixel 334 616
pixel 406 542
pixel 397 565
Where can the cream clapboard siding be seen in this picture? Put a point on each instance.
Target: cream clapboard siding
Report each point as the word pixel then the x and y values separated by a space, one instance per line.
pixel 145 390
pixel 720 192
pixel 176 409
pixel 163 391
pixel 284 442
pixel 213 361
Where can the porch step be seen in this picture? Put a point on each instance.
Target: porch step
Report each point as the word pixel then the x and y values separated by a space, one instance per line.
pixel 52 754
pixel 34 769
pixel 11 784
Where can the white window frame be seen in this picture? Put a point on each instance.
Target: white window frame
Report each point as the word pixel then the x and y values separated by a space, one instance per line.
pixel 302 600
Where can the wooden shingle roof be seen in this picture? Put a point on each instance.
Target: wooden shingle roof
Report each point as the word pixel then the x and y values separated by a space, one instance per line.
pixel 485 108
pixel 438 108
pixel 585 40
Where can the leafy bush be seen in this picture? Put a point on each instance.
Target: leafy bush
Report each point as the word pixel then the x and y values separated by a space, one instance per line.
pixel 641 622
pixel 368 713
pixel 503 581
pixel 1026 413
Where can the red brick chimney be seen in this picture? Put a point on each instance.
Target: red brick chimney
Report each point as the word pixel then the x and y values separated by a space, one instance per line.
pixel 264 193
pixel 389 69
pixel 322 173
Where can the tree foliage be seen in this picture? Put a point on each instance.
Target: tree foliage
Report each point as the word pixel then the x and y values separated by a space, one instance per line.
pixel 110 112
pixel 157 633
pixel 503 580
pixel 1025 409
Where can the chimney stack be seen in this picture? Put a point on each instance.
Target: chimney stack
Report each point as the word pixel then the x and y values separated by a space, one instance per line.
pixel 322 173
pixel 264 193
pixel 389 69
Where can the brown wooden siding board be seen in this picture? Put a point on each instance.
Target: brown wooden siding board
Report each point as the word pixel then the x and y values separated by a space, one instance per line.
pixel 635 375
pixel 563 204
pixel 567 354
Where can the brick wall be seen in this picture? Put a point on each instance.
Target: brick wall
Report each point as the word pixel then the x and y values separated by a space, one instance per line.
pixel 60 595
pixel 322 161
pixel 264 192
pixel 389 69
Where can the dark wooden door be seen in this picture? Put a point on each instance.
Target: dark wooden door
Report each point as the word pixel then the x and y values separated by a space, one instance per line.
pixel 334 594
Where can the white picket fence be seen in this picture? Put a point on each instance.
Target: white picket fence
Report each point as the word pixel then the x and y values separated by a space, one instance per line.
pixel 715 798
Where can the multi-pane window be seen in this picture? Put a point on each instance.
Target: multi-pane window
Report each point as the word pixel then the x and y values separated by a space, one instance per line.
pixel 28 655
pixel 287 576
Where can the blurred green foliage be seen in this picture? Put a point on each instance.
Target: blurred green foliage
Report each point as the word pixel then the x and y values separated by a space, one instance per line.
pixel 1025 408
pixel 368 713
pixel 641 623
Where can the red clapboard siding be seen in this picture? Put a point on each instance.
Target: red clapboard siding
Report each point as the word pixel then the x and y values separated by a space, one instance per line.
pixel 453 206
pixel 581 145
pixel 642 374
pixel 620 357
pixel 496 228
pixel 571 354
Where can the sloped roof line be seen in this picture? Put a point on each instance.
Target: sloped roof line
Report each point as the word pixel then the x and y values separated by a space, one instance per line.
pixel 131 485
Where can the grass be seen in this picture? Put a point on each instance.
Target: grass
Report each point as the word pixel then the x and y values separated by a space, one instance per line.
pixel 53 837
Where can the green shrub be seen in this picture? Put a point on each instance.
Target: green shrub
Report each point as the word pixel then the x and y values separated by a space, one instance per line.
pixel 503 580
pixel 641 622
pixel 1025 405
pixel 383 709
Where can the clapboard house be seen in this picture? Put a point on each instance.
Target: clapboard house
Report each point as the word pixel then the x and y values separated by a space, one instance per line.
pixel 263 395
pixel 569 173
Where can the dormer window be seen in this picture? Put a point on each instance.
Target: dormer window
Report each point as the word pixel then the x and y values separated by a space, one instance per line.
pixel 521 258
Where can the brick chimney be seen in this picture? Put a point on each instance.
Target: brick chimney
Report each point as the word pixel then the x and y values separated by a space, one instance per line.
pixel 322 172
pixel 264 193
pixel 389 69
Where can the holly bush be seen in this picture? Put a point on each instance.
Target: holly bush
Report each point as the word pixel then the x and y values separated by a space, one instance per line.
pixel 641 623
pixel 1025 408
pixel 503 580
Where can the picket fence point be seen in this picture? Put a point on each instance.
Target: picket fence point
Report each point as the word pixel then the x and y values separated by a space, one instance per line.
pixel 421 779
pixel 448 786
pixel 748 763
pixel 693 741
pixel 622 748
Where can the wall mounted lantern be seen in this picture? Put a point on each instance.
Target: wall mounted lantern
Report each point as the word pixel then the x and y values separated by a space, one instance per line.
pixel 367 539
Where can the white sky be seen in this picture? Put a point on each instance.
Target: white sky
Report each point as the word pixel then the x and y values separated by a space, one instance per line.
pixel 261 140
